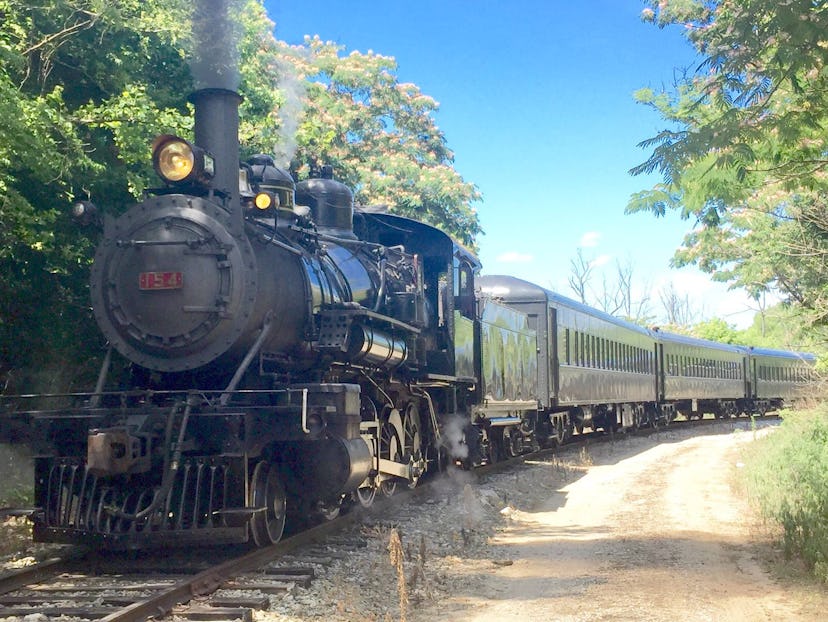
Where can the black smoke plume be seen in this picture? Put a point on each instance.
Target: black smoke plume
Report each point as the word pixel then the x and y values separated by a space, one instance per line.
pixel 216 32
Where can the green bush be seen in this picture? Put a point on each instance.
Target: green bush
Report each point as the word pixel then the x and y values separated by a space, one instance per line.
pixel 786 477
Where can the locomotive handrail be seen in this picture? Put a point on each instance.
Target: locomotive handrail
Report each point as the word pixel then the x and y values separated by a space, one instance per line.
pixel 432 413
pixel 191 243
pixel 332 238
pixel 248 358
pixel 305 427
pixel 271 239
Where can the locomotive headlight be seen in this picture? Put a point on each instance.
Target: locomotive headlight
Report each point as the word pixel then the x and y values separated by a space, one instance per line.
pixel 178 161
pixel 173 159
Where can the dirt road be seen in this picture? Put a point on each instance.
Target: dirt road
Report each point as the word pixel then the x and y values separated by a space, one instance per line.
pixel 648 533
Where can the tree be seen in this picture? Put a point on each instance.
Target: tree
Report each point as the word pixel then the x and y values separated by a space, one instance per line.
pixel 784 327
pixel 74 80
pixel 580 275
pixel 632 307
pixel 678 309
pixel 716 329
pixel 379 135
pixel 744 149
pixel 616 296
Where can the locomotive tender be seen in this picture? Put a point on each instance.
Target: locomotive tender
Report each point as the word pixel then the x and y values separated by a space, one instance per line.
pixel 276 351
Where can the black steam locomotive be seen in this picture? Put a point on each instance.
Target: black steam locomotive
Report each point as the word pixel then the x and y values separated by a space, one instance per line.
pixel 275 351
pixel 281 345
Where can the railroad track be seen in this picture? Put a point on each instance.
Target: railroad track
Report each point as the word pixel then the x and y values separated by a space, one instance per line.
pixel 84 585
pixel 131 587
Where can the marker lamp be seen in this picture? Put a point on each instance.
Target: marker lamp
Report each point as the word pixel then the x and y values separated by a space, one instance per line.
pixel 263 200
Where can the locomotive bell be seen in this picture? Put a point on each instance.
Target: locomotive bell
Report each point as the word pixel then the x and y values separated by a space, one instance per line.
pixel 331 203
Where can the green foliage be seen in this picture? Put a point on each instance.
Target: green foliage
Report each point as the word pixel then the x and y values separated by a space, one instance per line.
pixel 785 327
pixel 744 149
pixel 785 476
pixel 379 135
pixel 718 330
pixel 780 327
pixel 70 75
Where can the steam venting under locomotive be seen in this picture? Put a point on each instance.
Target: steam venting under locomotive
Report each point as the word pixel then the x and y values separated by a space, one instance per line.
pixel 276 351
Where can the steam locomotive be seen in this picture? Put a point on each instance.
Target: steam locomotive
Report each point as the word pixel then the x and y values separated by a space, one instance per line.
pixel 287 354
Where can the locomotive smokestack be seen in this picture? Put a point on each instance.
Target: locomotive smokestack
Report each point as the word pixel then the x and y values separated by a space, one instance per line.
pixel 216 77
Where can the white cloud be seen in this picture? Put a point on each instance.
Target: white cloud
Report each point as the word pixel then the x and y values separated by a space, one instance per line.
pixel 515 257
pixel 600 260
pixel 590 239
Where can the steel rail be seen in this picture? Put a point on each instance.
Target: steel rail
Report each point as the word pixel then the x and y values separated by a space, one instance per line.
pixel 210 580
pixel 41 571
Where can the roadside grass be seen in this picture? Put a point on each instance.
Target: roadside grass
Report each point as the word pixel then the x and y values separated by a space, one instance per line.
pixel 785 477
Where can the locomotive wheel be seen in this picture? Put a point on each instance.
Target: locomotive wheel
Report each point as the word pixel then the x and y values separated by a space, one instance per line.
pixel 443 459
pixel 366 496
pixel 411 429
pixel 437 457
pixel 268 492
pixel 412 441
pixel 391 449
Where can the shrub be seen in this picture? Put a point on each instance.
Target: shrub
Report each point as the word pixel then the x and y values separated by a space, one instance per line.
pixel 786 478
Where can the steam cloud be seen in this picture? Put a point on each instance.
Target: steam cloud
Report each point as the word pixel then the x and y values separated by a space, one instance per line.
pixel 293 89
pixel 454 438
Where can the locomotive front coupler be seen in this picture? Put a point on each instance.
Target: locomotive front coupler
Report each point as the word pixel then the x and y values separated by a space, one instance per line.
pixel 117 451
pixel 130 448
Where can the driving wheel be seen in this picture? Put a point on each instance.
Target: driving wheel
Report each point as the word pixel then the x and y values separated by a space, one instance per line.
pixel 267 495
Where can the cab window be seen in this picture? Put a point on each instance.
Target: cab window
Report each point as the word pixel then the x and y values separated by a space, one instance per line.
pixel 464 289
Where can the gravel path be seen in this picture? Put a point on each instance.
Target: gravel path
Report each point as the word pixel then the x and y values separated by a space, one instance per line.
pixel 641 529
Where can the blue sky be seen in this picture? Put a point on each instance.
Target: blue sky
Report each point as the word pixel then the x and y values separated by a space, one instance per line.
pixel 536 101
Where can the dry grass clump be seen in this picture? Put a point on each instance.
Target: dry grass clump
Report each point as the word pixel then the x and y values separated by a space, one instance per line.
pixel 397 557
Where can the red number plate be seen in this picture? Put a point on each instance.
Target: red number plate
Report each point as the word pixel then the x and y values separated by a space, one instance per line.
pixel 160 280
